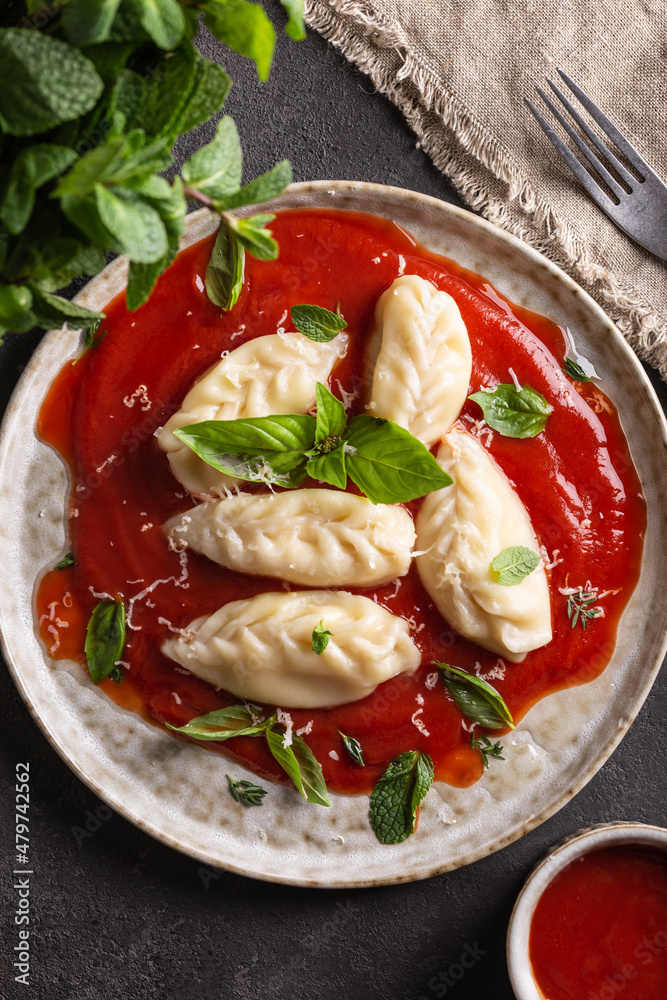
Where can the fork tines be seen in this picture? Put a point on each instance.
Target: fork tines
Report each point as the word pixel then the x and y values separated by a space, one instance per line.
pixel 637 202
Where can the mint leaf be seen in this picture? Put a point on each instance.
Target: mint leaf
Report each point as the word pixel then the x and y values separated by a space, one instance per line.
pixel 575 371
pixel 88 22
pixel 43 82
pixel 317 323
pixel 66 561
pixel 397 794
pixel 128 97
pixel 353 747
pixel 331 415
pixel 215 170
pixel 136 228
pixel 258 449
pixel 222 724
pixel 329 467
pixel 16 308
pixel 52 310
pixel 32 167
pixel 162 20
pixel 252 235
pixel 388 464
pixel 517 413
pixel 295 26
pixel 320 638
pixel 245 28
pixel 299 762
pixel 514 564
pixel 245 792
pixel 105 639
pixel 478 701
pixel 263 188
pixel 207 95
pixel 224 273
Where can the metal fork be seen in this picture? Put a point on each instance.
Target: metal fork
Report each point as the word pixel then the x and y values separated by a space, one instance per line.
pixel 640 209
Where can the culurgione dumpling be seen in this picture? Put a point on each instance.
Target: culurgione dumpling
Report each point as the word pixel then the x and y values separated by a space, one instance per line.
pixel 260 649
pixel 422 371
pixel 460 529
pixel 273 374
pixel 313 537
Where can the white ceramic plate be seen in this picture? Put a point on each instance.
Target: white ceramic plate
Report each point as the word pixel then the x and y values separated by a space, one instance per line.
pixel 176 791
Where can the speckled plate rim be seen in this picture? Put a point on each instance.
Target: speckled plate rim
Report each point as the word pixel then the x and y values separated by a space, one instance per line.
pixel 403 864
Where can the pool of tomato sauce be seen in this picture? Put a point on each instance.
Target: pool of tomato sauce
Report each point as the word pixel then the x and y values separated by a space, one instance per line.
pixel 600 928
pixel 576 480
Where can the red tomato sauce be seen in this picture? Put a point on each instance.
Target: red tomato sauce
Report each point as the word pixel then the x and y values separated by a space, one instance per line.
pixel 599 930
pixel 576 480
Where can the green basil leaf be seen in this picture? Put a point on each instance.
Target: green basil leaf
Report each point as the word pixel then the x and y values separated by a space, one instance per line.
pixel 353 747
pixel 222 724
pixel 575 371
pixel 479 702
pixel 394 800
pixel 242 447
pixel 67 561
pixel 105 639
pixel 43 82
pixel 136 227
pixel 16 308
pixel 245 792
pixel 252 235
pixel 263 188
pixel 516 413
pixel 513 565
pixel 317 323
pixel 32 167
pixel 224 272
pixel 88 22
pixel 329 467
pixel 388 464
pixel 162 20
pixel 215 170
pixel 331 415
pixel 295 26
pixel 299 762
pixel 320 638
pixel 54 310
pixel 245 28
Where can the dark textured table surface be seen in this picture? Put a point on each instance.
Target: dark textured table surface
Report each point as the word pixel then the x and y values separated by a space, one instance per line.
pixel 117 915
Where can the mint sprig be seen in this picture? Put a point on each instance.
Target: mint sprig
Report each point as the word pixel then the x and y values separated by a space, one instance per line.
pixel 385 461
pixel 91 104
pixel 487 748
pixel 397 794
pixel 517 413
pixel 475 698
pixel 353 748
pixel 514 564
pixel 105 640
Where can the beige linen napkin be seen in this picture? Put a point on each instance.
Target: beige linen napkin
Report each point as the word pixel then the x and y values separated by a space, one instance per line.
pixel 459 70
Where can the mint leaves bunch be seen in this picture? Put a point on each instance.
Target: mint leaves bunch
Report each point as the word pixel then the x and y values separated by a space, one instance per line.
pixel 385 461
pixel 90 108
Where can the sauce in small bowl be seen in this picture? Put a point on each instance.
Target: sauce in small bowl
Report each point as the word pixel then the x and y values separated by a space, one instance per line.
pixel 591 921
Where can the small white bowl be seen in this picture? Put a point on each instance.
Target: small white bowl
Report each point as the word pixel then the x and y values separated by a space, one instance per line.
pixel 592 839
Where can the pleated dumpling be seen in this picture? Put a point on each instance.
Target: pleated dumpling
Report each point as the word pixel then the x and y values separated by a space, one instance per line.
pixel 260 649
pixel 460 530
pixel 312 537
pixel 268 375
pixel 422 371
